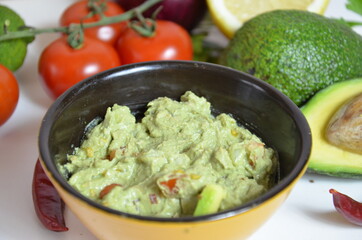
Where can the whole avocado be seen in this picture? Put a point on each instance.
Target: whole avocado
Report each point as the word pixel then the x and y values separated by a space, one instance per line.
pixel 298 52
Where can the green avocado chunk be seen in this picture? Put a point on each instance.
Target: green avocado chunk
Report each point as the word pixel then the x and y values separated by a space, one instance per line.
pixel 298 52
pixel 327 158
pixel 210 200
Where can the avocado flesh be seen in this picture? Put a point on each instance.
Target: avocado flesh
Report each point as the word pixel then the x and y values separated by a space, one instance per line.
pixel 326 158
pixel 210 200
pixel 297 52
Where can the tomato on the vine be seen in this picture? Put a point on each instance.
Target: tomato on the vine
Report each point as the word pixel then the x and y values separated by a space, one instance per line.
pixel 61 66
pixel 78 11
pixel 169 42
pixel 9 94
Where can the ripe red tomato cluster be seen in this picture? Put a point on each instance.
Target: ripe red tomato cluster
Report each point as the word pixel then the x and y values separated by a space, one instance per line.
pixel 105 47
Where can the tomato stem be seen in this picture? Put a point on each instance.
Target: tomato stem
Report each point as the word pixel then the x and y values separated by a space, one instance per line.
pixel 76 37
pixel 31 32
pixel 97 7
pixel 146 27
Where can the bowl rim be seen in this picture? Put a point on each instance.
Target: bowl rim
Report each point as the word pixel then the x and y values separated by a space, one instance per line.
pixel 294 111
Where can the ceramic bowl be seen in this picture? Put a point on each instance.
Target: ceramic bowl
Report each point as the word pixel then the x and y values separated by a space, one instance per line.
pixel 254 103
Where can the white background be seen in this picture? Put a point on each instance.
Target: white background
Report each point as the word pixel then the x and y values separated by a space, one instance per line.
pixel 308 213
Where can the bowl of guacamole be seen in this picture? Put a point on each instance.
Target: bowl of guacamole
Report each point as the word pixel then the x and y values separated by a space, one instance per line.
pixel 173 148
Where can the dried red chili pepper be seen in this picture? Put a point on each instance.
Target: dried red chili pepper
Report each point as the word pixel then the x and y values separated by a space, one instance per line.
pixel 48 205
pixel 348 207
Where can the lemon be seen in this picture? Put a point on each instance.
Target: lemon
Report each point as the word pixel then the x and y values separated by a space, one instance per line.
pixel 229 15
pixel 12 52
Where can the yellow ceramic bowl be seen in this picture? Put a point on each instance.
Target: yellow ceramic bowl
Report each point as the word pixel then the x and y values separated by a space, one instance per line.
pixel 257 105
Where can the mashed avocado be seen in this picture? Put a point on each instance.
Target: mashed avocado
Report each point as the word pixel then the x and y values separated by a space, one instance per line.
pixel 159 166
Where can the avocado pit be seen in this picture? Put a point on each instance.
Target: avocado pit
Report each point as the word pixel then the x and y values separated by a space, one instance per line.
pixel 345 127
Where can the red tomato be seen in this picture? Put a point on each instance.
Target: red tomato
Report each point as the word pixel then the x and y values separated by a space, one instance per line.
pixel 61 66
pixel 77 12
pixel 170 184
pixel 9 94
pixel 170 42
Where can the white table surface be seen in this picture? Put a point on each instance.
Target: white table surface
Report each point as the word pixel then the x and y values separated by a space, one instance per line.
pixel 308 213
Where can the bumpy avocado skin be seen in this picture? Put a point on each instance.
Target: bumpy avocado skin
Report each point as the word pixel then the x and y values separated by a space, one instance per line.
pixel 326 158
pixel 297 52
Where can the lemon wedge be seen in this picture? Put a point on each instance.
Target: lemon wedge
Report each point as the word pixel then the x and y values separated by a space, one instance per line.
pixel 229 15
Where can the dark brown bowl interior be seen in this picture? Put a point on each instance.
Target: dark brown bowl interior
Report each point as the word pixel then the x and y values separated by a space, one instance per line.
pixel 254 103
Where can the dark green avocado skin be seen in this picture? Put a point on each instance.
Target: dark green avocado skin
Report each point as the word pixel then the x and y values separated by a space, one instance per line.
pixel 346 175
pixel 297 52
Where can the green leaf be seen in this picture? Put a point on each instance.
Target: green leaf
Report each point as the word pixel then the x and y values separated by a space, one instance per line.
pixel 349 23
pixel 204 50
pixel 353 24
pixel 355 6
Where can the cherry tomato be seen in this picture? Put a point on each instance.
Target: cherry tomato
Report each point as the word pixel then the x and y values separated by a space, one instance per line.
pixel 61 66
pixel 9 94
pixel 78 11
pixel 170 184
pixel 170 42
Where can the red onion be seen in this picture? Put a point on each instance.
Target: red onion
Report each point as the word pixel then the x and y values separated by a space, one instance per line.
pixel 187 13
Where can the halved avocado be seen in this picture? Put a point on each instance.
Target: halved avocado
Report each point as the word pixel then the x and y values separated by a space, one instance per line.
pixel 327 158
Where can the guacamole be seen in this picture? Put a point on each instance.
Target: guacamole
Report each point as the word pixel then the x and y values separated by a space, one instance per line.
pixel 160 165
